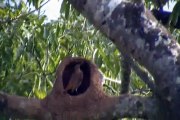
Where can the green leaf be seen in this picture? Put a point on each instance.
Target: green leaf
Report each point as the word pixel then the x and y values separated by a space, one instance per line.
pixel 40 94
pixel 175 14
pixel 65 8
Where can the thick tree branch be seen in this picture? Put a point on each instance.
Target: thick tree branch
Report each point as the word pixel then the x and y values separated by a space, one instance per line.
pixel 22 107
pixel 88 102
pixel 106 109
pixel 131 106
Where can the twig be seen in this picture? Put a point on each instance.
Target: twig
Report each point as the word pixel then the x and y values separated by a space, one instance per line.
pixel 23 15
pixel 110 88
pixel 112 80
pixel 142 74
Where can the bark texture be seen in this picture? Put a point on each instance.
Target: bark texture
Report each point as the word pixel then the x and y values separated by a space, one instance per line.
pixel 125 73
pixel 135 32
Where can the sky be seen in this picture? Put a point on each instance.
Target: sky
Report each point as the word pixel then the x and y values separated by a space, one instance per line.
pixel 52 9
pixel 170 6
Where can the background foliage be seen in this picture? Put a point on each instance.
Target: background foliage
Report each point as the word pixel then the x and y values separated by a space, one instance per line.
pixel 31 48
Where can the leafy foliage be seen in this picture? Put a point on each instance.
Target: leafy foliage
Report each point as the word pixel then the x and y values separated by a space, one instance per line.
pixel 31 49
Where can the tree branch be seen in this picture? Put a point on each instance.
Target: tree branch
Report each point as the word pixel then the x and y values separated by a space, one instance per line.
pixel 125 73
pixel 21 107
pixel 142 74
pixel 88 102
pixel 107 108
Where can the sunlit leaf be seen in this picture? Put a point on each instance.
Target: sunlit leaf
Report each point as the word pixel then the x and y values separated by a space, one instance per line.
pixel 40 94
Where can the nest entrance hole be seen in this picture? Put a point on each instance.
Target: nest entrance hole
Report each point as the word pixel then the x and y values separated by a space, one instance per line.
pixel 67 73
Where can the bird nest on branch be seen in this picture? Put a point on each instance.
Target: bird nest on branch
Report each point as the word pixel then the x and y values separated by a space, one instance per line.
pixel 77 94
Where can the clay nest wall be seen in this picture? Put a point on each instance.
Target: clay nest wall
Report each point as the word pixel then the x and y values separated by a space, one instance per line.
pixel 87 101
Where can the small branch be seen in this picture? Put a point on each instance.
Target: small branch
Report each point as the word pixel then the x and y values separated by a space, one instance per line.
pixel 139 71
pixel 110 88
pixel 142 74
pixel 117 81
pixel 37 8
pixel 141 91
pixel 22 15
pixel 112 80
pixel 126 72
